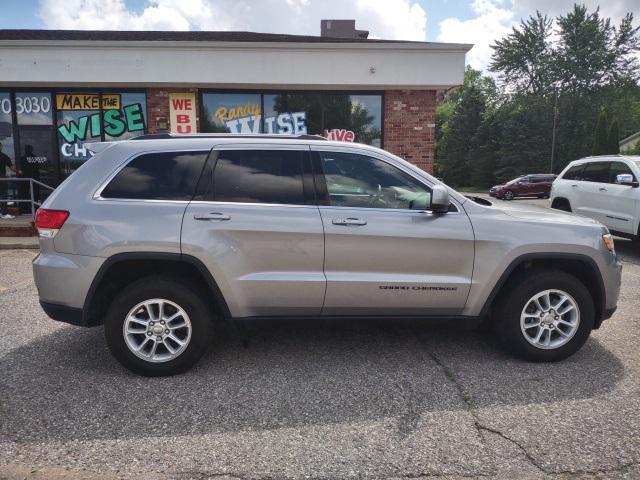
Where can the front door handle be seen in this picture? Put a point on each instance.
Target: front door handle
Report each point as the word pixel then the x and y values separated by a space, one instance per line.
pixel 211 216
pixel 574 185
pixel 348 221
pixel 602 189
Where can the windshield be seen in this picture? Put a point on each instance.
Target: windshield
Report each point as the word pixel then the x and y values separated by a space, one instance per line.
pixel 515 180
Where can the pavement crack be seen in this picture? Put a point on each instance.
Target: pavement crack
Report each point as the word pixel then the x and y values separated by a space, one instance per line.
pixel 481 428
pixel 407 422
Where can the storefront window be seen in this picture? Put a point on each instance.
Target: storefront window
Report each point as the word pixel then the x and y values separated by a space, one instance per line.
pixel 82 117
pixel 284 118
pixel 35 132
pixel 338 116
pixel 231 113
pixel 6 126
pixel 131 121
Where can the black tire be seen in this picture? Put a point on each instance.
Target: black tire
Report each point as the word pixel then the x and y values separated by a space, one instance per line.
pixel 512 300
pixel 508 195
pixel 187 296
pixel 561 204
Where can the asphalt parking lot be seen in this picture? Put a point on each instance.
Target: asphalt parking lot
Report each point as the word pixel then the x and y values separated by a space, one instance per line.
pixel 317 400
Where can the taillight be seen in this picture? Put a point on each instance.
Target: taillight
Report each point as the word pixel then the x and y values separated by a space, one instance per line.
pixel 48 222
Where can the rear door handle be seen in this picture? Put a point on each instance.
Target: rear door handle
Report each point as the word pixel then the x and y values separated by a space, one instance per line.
pixel 574 185
pixel 602 189
pixel 211 216
pixel 348 221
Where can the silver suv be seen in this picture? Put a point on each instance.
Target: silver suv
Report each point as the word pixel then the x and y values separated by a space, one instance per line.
pixel 156 238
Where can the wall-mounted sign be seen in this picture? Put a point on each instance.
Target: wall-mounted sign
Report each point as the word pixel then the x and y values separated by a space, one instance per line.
pixel 289 123
pixel 182 112
pixel 116 122
pixel 339 134
pixel 249 109
pixel 87 101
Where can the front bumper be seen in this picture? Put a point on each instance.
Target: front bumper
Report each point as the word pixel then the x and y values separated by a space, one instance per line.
pixel 62 313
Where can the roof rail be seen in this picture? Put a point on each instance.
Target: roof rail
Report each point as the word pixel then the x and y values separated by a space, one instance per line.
pixel 266 136
pixel 606 155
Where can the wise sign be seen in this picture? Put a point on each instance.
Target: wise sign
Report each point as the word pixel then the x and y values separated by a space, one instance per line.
pixel 182 112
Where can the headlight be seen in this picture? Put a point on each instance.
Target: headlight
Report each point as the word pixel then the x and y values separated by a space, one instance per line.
pixel 608 242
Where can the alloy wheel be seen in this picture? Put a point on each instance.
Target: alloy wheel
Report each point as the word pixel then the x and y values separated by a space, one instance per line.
pixel 550 319
pixel 157 330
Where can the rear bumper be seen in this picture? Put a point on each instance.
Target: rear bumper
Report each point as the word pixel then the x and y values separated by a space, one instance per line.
pixel 62 313
pixel 64 279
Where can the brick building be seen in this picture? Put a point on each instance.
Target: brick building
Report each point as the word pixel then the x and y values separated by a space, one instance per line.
pixel 59 89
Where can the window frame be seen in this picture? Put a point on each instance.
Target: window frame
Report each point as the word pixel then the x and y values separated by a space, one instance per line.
pixel 322 192
pixel 98 193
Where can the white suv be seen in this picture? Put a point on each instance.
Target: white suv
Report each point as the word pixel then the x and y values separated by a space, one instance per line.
pixel 604 188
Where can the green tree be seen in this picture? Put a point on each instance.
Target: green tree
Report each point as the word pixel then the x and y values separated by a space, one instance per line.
pixel 613 138
pixel 601 136
pixel 591 53
pixel 523 58
pixel 464 108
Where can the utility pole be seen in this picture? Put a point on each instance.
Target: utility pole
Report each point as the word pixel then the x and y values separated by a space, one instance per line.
pixel 553 134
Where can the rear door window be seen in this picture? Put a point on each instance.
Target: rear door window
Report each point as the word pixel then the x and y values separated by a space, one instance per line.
pixel 596 172
pixel 260 176
pixel 158 176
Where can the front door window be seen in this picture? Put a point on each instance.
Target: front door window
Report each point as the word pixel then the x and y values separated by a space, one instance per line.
pixel 361 181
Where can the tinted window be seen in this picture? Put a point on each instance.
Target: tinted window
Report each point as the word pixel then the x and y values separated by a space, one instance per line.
pixel 516 180
pixel 596 172
pixel 158 176
pixel 542 178
pixel 360 181
pixel 259 176
pixel 574 173
pixel 618 168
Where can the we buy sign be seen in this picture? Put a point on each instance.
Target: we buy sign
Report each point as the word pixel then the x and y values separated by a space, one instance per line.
pixel 182 112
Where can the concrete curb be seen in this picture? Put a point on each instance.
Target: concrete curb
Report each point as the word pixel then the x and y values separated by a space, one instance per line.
pixel 19 243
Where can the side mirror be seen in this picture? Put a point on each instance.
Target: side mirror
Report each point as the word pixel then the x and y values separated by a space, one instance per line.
pixel 626 179
pixel 439 200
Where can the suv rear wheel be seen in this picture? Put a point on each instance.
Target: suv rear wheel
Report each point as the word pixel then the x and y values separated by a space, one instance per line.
pixel 158 326
pixel 561 204
pixel 546 316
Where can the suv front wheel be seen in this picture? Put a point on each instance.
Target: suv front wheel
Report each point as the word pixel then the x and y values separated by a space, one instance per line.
pixel 546 316
pixel 158 327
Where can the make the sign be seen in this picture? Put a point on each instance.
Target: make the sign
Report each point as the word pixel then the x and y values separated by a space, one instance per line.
pixel 182 112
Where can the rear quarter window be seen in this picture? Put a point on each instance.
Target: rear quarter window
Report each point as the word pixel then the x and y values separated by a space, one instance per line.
pixel 574 173
pixel 158 176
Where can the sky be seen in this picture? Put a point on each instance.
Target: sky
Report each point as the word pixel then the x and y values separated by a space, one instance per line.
pixel 480 22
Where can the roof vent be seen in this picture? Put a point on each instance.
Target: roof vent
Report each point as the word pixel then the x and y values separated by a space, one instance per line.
pixel 341 29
